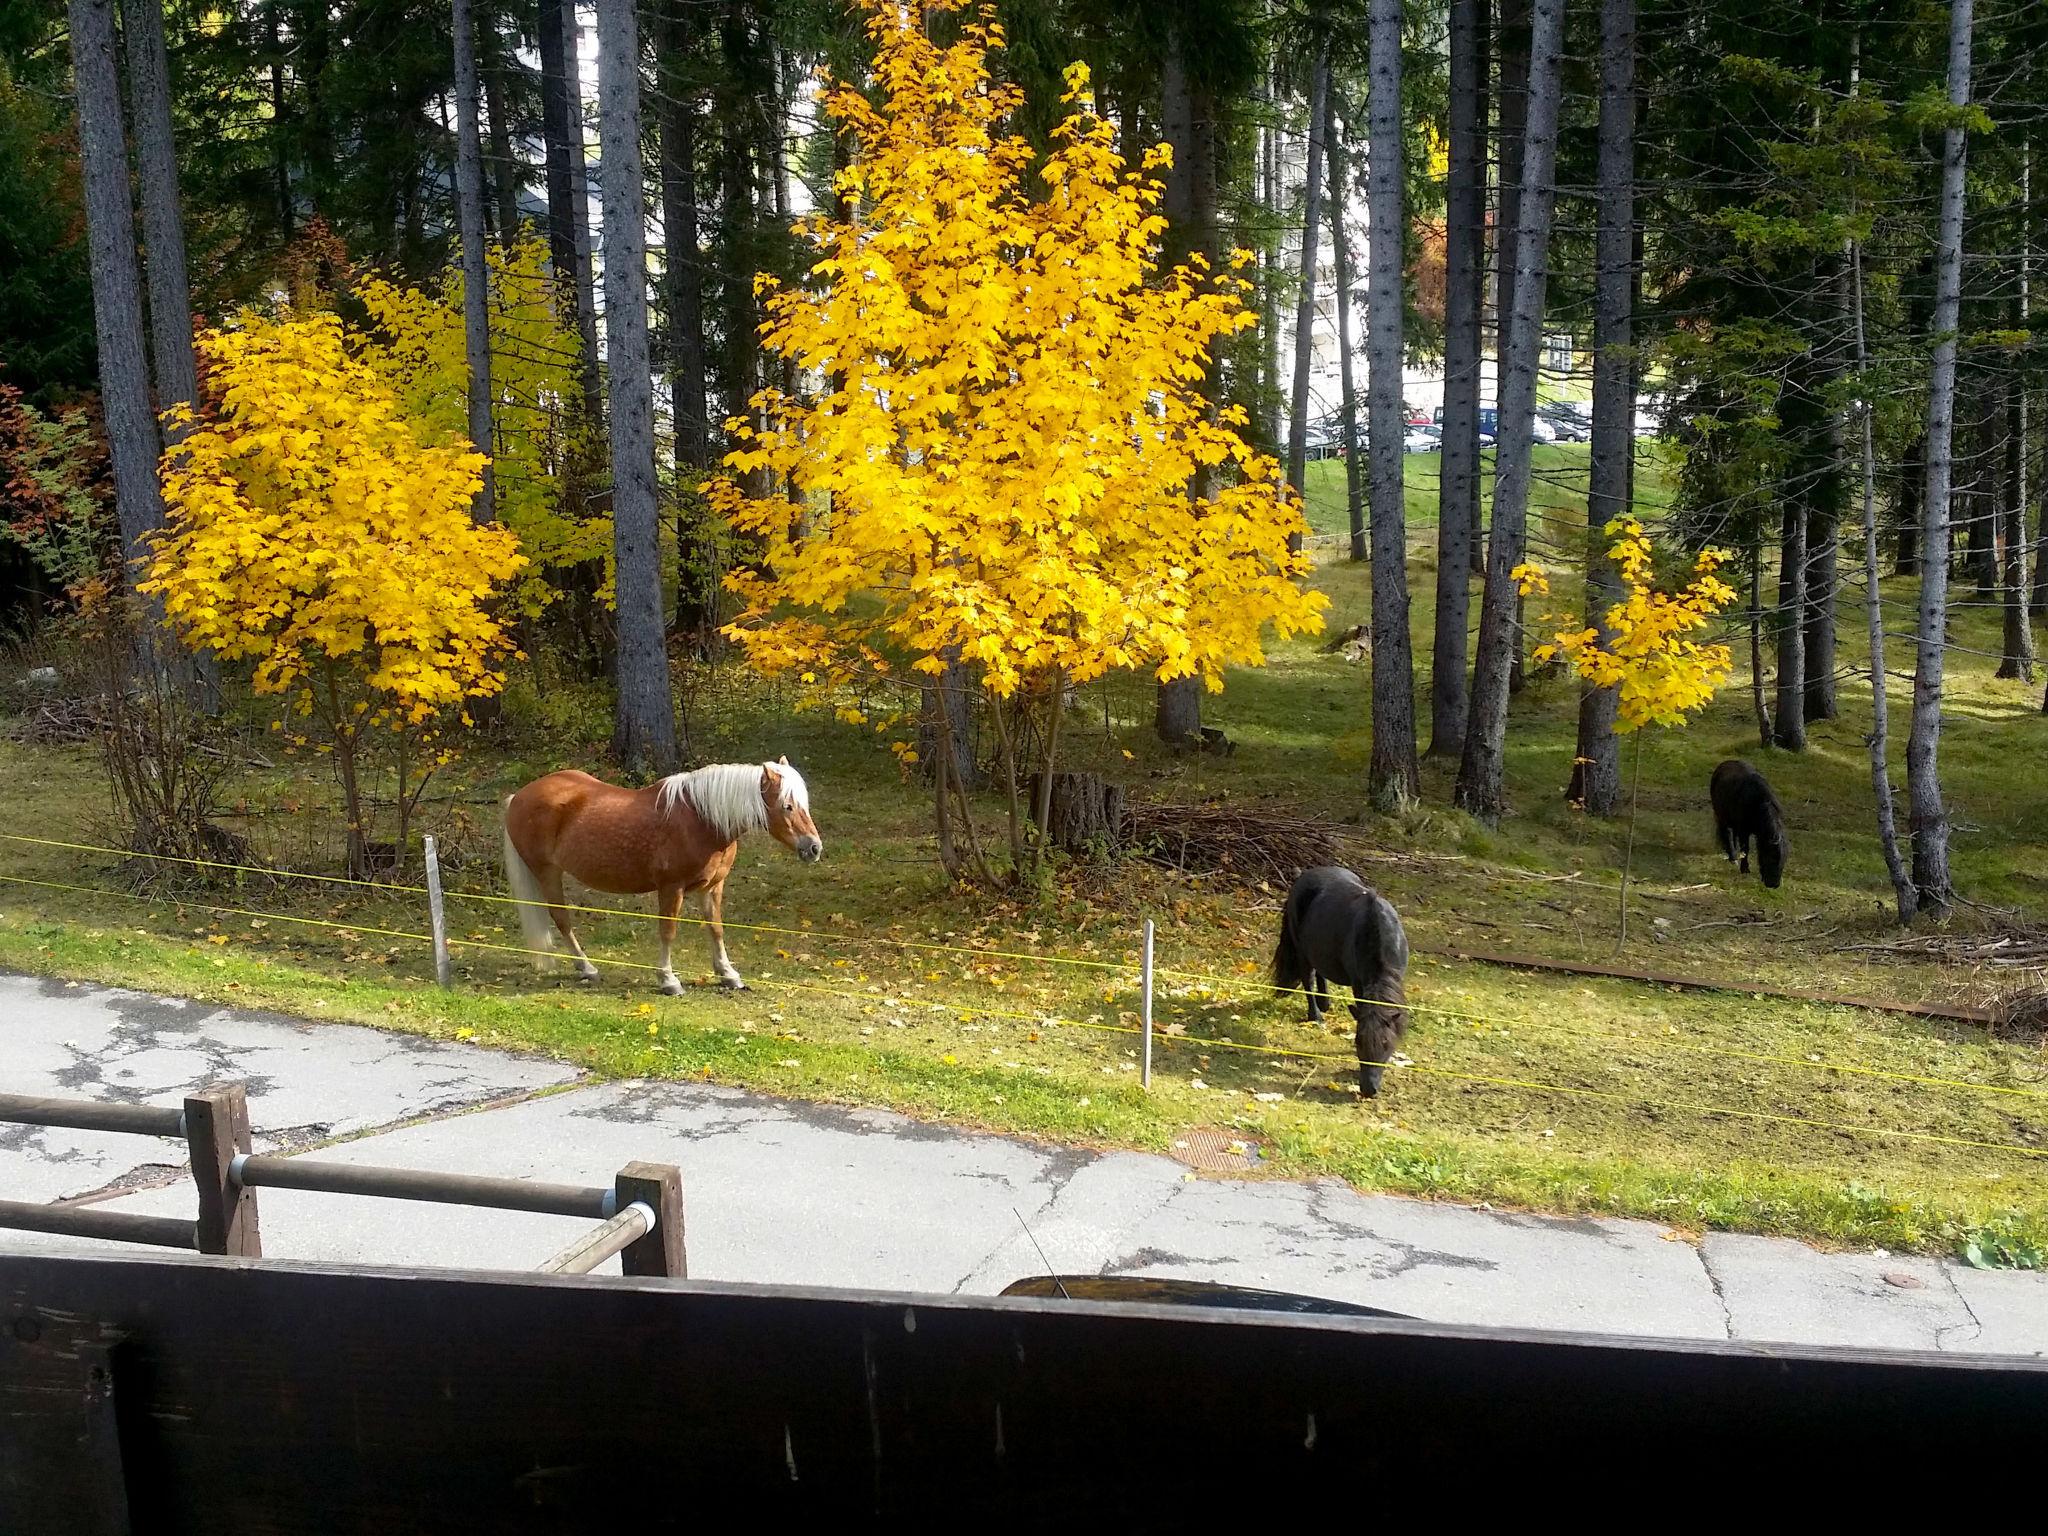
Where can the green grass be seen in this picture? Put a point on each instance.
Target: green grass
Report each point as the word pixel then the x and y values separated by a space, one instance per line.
pixel 1700 1109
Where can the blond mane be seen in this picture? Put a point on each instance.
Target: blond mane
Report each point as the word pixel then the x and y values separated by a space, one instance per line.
pixel 728 795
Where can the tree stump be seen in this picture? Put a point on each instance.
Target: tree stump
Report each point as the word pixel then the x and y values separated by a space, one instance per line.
pixel 1086 815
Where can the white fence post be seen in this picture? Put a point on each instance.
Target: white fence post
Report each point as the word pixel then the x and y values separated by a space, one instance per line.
pixel 442 970
pixel 1145 985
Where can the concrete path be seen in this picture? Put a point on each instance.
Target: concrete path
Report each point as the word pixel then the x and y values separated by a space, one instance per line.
pixel 803 1193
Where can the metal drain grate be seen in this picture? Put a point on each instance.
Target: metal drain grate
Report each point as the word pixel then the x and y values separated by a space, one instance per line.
pixel 1214 1151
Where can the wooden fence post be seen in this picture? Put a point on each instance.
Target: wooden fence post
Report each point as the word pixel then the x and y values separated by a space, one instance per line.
pixel 216 1128
pixel 660 1187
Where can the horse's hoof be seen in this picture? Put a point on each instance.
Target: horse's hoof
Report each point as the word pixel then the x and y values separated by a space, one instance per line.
pixel 733 984
pixel 587 978
pixel 670 987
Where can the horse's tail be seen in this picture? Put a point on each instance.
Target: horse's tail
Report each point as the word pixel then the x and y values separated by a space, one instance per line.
pixel 535 925
pixel 1289 970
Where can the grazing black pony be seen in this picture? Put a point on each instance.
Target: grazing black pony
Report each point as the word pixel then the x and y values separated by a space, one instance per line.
pixel 1746 810
pixel 1335 929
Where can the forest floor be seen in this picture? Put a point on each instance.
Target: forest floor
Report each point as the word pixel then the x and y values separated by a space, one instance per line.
pixel 876 982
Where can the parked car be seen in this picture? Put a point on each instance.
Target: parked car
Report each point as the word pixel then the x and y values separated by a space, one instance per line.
pixel 1567 420
pixel 1416 416
pixel 1422 439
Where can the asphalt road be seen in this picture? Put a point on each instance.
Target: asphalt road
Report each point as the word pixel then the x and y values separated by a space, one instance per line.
pixel 794 1192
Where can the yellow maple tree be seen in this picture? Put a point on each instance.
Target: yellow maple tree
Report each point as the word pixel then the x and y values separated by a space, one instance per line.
pixel 313 533
pixel 1649 654
pixel 1004 414
pixel 414 342
pixel 1660 673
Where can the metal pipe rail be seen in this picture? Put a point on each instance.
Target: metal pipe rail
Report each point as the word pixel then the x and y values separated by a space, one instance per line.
pixel 86 1221
pixel 88 1115
pixel 603 1242
pixel 642 1213
pixel 273 1172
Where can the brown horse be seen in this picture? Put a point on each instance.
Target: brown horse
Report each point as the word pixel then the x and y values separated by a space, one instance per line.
pixel 677 837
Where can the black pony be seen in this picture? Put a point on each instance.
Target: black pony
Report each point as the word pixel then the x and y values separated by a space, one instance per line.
pixel 1335 929
pixel 1745 809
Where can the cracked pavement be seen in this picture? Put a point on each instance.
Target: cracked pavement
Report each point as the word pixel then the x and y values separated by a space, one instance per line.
pixel 820 1194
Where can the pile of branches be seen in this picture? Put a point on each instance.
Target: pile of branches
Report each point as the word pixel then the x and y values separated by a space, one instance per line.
pixel 2014 948
pixel 1246 845
pixel 52 719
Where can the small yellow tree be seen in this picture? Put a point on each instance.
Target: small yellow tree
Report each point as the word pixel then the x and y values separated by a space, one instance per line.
pixel 312 532
pixel 996 459
pixel 415 345
pixel 1649 655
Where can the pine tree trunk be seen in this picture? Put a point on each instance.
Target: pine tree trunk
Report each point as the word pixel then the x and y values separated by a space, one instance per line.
pixel 1596 776
pixel 116 292
pixel 490 52
pixel 1269 293
pixel 1873 598
pixel 1465 273
pixel 1392 780
pixel 1481 786
pixel 163 224
pixel 644 724
pixel 697 572
pixel 1928 816
pixel 1511 109
pixel 2017 659
pixel 1305 303
pixel 476 279
pixel 1824 495
pixel 280 123
pixel 1187 119
pixel 1464 287
pixel 1340 240
pixel 568 187
pixel 1759 699
pixel 554 141
pixel 1790 733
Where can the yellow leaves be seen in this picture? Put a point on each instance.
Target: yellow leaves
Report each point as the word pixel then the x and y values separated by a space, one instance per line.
pixel 1013 415
pixel 343 562
pixel 1660 674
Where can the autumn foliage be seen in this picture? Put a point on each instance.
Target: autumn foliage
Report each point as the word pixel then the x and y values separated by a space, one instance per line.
pixel 1004 414
pixel 313 534
pixel 1649 653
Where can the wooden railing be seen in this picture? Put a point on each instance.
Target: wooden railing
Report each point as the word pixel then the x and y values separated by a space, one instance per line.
pixel 641 1214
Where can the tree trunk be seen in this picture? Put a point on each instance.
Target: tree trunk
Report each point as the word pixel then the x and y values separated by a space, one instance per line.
pixel 1187 119
pixel 1269 293
pixel 1392 779
pixel 1511 108
pixel 1824 497
pixel 1759 699
pixel 116 292
pixel 1305 304
pixel 163 224
pixel 561 126
pixel 476 276
pixel 644 725
pixel 1907 513
pixel 1873 598
pixel 1481 786
pixel 1340 240
pixel 1791 713
pixel 1464 303
pixel 1596 776
pixel 280 124
pixel 697 573
pixel 568 189
pixel 1085 815
pixel 2017 659
pixel 490 52
pixel 1928 817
